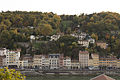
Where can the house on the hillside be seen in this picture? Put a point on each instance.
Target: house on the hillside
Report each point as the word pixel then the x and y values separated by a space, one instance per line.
pixel 80 36
pixel 91 40
pixel 54 37
pixel 32 37
pixel 84 43
pixel 102 44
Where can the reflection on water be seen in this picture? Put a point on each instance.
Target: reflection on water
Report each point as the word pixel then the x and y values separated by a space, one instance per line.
pixel 56 77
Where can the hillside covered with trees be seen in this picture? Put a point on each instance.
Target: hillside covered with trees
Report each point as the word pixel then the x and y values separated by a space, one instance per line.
pixel 17 27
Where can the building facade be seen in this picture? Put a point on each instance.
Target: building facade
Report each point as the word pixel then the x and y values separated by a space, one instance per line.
pixel 54 61
pixel 102 44
pixel 75 64
pixel 95 58
pixel 84 43
pixel 23 64
pixel 45 62
pixel 110 61
pixel 3 51
pixel 29 58
pixel 84 59
pixel 37 61
pixel 2 61
pixel 67 63
pixel 12 58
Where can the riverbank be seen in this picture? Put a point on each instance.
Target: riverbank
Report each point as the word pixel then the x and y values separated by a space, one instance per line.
pixel 65 77
pixel 70 72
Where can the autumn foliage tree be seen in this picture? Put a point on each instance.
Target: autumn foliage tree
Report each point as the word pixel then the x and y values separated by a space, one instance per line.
pixel 10 74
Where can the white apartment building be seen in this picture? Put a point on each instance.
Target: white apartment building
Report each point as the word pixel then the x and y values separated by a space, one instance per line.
pixel 23 64
pixel 45 62
pixel 54 61
pixel 12 58
pixel 67 63
pixel 84 43
pixel 3 51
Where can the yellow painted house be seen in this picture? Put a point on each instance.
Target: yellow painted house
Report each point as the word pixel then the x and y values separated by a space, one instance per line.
pixel 110 61
pixel 94 60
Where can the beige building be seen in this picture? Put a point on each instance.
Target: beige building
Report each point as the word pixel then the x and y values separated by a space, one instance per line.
pixel 84 59
pixel 61 61
pixel 90 64
pixel 2 61
pixel 75 64
pixel 118 63
pixel 23 64
pixel 95 58
pixel 37 61
pixel 29 58
pixel 93 61
pixel 102 44
pixel 110 61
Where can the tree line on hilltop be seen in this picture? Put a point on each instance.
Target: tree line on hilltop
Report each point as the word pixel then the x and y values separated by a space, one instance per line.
pixel 17 26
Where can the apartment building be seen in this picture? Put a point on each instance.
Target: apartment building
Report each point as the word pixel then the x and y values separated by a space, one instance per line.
pixel 37 61
pixel 84 59
pixel 118 63
pixel 3 51
pixel 95 58
pixel 67 63
pixel 12 58
pixel 29 58
pixel 110 61
pixel 75 64
pixel 2 61
pixel 54 61
pixel 45 62
pixel 23 64
pixel 61 61
pixel 93 61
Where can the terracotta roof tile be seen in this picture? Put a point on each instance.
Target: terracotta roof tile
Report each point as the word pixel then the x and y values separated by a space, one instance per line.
pixel 102 77
pixel 84 52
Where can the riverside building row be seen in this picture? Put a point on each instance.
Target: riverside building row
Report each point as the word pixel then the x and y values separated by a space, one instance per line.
pixel 12 59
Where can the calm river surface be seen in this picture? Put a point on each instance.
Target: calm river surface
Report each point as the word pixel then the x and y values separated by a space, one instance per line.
pixel 51 77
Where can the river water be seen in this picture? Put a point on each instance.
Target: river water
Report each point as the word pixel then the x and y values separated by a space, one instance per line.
pixel 57 77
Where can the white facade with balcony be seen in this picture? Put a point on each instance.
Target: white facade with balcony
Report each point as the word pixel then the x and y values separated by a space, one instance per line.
pixel 12 58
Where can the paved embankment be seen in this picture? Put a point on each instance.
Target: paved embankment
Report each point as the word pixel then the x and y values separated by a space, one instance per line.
pixel 69 72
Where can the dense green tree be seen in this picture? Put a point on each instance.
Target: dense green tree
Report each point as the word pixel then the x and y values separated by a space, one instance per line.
pixel 45 29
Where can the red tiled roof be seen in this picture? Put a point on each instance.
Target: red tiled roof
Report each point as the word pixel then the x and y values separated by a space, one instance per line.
pixel 84 52
pixel 102 77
